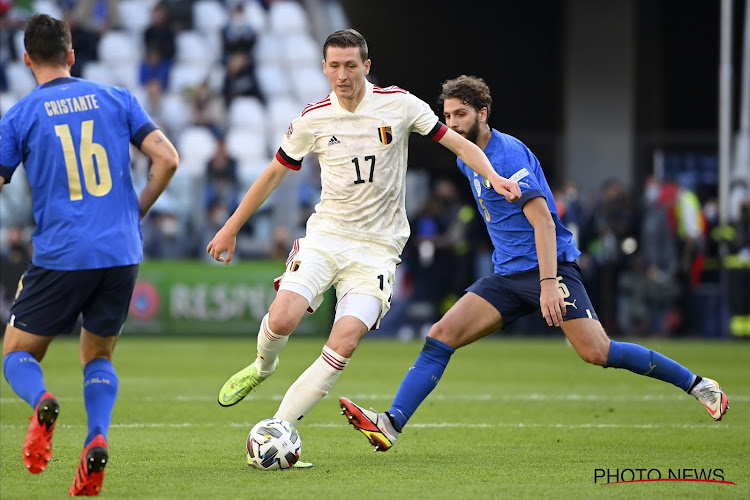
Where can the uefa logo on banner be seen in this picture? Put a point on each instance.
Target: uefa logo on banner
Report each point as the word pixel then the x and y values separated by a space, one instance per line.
pixel 144 304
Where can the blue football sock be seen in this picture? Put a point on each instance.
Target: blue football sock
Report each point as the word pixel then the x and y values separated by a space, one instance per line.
pixel 420 380
pixel 24 375
pixel 650 363
pixel 100 385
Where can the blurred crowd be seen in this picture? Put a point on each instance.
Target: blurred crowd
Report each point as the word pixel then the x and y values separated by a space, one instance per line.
pixel 225 78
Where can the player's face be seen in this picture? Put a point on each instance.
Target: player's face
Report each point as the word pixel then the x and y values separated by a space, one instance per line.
pixel 462 118
pixel 346 72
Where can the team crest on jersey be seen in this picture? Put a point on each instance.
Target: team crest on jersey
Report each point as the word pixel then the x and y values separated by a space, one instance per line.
pixel 290 130
pixel 478 186
pixel 294 266
pixel 486 182
pixel 385 135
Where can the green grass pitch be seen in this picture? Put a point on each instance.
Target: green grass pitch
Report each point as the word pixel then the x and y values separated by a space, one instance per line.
pixel 512 418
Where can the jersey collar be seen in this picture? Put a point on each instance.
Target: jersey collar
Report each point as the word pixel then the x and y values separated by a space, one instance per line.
pixel 368 93
pixel 58 81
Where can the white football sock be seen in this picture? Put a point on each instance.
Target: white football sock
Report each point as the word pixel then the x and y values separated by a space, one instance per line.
pixel 311 386
pixel 269 347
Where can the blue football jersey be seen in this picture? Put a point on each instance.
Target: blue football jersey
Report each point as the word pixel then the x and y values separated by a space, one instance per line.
pixel 73 136
pixel 511 232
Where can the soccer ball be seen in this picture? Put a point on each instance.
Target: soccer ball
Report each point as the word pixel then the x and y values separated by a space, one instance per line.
pixel 273 444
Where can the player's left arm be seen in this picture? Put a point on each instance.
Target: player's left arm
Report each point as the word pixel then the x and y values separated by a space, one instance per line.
pixel 10 148
pixel 164 164
pixel 478 162
pixel 550 300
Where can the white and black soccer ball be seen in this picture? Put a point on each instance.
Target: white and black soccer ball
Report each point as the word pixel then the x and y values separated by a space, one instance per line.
pixel 273 444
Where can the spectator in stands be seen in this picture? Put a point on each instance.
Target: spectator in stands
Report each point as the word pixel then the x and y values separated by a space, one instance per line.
pixel 652 287
pixel 610 220
pixel 19 247
pixel 162 238
pixel 155 69
pixel 159 33
pixel 438 242
pixel 688 227
pixel 85 43
pixel 221 180
pixel 14 259
pixel 154 77
pixel 570 208
pixel 238 35
pixel 240 79
pixel 421 253
pixel 281 240
pixel 97 16
pixel 17 11
pixel 208 109
pixel 180 13
pixel 7 47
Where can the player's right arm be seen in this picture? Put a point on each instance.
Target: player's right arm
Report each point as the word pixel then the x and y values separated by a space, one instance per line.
pixel 226 238
pixel 475 158
pixel 164 160
pixel 551 300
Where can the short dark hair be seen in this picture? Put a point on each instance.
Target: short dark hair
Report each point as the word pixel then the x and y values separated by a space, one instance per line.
pixel 471 90
pixel 347 38
pixel 47 40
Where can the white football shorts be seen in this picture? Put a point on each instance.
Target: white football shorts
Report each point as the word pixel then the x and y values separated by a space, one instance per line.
pixel 319 261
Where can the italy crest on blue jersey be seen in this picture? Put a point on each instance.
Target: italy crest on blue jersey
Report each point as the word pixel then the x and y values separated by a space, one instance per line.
pixel 73 136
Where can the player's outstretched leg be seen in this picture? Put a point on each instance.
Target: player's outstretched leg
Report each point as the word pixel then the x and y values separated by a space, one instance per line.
pixel 90 473
pixel 376 427
pixel 593 345
pixel 710 395
pixel 37 447
pixel 240 384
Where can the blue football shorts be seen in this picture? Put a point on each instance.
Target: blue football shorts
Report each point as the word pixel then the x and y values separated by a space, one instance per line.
pixel 48 302
pixel 516 295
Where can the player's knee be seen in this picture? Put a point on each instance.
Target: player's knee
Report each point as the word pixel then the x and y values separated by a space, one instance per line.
pixel 343 344
pixel 595 354
pixel 92 353
pixel 281 323
pixel 440 332
pixel 346 347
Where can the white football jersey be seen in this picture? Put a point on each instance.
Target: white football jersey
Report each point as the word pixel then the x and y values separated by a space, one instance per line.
pixel 363 158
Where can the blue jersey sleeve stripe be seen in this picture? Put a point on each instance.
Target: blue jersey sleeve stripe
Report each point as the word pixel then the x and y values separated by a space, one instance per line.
pixel 529 195
pixel 146 129
pixel 6 173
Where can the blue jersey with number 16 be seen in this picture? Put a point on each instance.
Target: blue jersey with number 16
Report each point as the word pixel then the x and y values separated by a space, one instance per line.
pixel 73 136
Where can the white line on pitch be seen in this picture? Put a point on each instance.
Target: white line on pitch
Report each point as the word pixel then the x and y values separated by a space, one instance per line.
pixel 433 397
pixel 436 425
